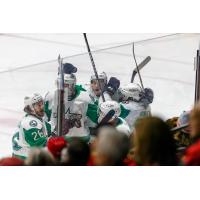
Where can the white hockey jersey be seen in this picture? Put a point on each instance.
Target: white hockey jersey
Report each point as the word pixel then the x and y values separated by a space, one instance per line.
pixel 135 111
pixel 77 112
pixel 31 132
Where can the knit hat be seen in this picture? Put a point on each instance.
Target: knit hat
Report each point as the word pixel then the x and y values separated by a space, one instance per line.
pixel 55 145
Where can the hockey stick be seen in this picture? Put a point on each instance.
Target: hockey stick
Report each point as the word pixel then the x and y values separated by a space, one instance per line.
pixel 103 122
pixel 140 66
pixel 179 128
pixel 60 108
pixel 93 65
pixel 138 71
pixel 108 116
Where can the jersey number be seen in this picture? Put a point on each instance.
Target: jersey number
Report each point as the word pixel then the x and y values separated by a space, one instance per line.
pixel 37 135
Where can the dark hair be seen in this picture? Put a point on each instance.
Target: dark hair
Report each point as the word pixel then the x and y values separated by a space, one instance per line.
pixel 40 157
pixel 78 153
pixel 154 144
pixel 27 109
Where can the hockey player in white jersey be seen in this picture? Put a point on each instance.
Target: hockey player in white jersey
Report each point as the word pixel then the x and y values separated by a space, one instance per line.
pixel 51 96
pixel 109 88
pixel 94 90
pixel 113 118
pixel 137 101
pixel 32 130
pixel 76 107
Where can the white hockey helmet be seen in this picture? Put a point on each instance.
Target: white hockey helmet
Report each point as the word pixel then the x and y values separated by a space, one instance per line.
pixel 102 76
pixel 105 107
pixel 32 100
pixel 70 79
pixel 131 91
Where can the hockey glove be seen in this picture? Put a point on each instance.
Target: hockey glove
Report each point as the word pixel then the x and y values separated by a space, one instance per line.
pixel 69 68
pixel 112 86
pixel 148 96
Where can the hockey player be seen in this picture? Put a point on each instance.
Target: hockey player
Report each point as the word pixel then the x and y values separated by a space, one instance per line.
pixel 94 93
pixel 94 90
pixel 51 96
pixel 114 119
pixel 76 107
pixel 136 101
pixel 32 130
pixel 109 88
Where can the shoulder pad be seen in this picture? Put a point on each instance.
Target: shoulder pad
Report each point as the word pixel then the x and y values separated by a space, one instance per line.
pixel 84 97
pixel 29 122
pixel 48 96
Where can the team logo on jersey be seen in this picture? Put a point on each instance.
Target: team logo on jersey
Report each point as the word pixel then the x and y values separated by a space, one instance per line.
pixel 33 123
pixel 72 120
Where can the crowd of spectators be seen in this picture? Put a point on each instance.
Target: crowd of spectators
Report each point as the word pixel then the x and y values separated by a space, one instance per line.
pixel 153 144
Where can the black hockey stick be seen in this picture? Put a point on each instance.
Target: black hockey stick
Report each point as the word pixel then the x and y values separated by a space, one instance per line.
pixel 108 116
pixel 104 122
pixel 138 71
pixel 93 65
pixel 140 66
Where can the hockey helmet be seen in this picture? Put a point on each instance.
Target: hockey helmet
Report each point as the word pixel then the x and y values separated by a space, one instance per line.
pixel 131 91
pixel 30 101
pixel 102 76
pixel 107 106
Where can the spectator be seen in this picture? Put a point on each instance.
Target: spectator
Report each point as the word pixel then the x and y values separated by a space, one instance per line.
pixel 40 157
pixel 195 123
pixel 172 122
pixel 76 153
pixel 111 147
pixel 154 145
pixel 182 137
pixel 11 161
pixel 55 145
pixel 192 153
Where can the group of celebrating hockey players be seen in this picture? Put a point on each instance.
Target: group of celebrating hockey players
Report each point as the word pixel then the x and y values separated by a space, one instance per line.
pixel 85 111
